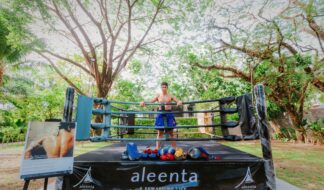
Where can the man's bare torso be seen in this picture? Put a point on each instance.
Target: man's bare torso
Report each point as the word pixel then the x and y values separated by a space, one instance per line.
pixel 165 99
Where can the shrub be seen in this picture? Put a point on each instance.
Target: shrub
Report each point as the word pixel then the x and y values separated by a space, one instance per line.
pixel 12 134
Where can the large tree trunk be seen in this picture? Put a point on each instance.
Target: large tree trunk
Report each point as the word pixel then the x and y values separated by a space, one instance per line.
pixel 297 123
pixel 98 119
pixel 300 135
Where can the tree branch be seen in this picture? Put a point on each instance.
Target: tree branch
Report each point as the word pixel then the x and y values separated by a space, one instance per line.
pixel 253 53
pixel 86 37
pixel 317 29
pixel 68 60
pixel 302 99
pixel 128 35
pixel 236 72
pixel 261 11
pixel 227 29
pixel 315 81
pixel 101 32
pixel 74 34
pixel 290 48
pixel 131 49
pixel 118 69
pixel 103 11
pixel 228 76
pixel 319 32
pixel 63 33
pixel 61 74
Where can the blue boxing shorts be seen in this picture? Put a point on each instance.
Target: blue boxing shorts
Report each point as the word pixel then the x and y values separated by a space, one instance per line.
pixel 165 121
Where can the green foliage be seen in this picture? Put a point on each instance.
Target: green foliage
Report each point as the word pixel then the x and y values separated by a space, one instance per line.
pixel 270 46
pixel 13 34
pixel 135 66
pixel 210 85
pixel 317 125
pixel 32 95
pixel 37 107
pixel 125 90
pixel 191 83
pixel 273 110
pixel 155 2
pixel 263 68
pixel 303 60
pixel 285 134
pixel 291 79
pixel 321 98
pixel 12 134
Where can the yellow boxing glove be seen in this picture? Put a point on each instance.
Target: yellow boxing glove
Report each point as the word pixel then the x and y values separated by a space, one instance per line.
pixel 178 155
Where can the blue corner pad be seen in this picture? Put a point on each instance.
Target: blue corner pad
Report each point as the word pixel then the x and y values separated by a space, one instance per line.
pixel 83 117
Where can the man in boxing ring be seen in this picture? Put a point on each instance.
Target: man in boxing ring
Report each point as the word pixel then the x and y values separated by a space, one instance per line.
pixel 164 122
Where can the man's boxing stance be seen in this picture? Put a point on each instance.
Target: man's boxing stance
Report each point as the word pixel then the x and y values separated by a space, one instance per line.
pixel 164 122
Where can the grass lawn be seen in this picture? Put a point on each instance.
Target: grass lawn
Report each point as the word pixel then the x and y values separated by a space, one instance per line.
pixel 298 164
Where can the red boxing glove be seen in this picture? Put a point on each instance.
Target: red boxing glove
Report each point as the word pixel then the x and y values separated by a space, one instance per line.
pixel 170 156
pixel 203 155
pixel 164 157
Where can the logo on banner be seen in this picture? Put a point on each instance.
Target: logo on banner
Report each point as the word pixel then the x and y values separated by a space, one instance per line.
pixel 87 182
pixel 164 177
pixel 248 182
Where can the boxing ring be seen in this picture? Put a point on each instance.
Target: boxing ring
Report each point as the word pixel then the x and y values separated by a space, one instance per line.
pixel 226 168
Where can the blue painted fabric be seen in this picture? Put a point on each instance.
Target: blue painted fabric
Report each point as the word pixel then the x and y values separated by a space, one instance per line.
pixel 165 120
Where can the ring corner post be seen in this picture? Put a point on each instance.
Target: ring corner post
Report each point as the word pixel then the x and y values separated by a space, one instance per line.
pixel 107 121
pixel 83 117
pixel 68 105
pixel 263 128
pixel 223 119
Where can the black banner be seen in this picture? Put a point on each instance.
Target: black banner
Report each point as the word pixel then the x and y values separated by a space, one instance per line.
pixel 168 175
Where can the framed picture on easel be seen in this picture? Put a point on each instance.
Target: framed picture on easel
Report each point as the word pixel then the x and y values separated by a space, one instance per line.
pixel 48 150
